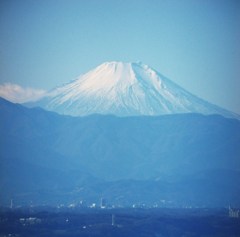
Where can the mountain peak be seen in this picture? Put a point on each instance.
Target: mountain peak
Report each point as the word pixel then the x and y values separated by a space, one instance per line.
pixel 124 89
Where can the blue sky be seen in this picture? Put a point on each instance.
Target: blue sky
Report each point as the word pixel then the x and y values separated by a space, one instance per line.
pixel 195 43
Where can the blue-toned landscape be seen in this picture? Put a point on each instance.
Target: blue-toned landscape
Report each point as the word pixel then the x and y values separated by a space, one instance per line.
pixel 170 161
pixel 95 143
pixel 117 222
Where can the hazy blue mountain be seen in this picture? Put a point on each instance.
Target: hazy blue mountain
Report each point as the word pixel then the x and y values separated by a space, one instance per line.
pixel 182 159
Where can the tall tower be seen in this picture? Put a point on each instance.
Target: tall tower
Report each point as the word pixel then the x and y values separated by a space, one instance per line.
pixel 11 204
pixel 103 203
pixel 113 220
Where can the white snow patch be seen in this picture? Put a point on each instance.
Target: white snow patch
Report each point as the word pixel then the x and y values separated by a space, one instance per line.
pixel 124 89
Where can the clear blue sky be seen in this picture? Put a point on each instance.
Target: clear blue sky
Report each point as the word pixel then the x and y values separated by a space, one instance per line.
pixel 196 43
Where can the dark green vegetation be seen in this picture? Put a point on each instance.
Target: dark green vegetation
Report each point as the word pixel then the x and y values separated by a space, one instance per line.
pixel 127 223
pixel 184 160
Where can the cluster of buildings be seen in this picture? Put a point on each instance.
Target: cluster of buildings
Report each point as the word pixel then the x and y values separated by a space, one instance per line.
pixel 233 213
pixel 30 221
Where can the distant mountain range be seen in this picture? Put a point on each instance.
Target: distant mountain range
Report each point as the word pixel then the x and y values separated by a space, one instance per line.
pixel 124 89
pixel 173 160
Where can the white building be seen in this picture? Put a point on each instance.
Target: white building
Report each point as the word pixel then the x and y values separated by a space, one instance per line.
pixel 233 213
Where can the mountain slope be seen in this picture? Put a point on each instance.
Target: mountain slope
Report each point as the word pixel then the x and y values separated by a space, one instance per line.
pixel 182 158
pixel 124 89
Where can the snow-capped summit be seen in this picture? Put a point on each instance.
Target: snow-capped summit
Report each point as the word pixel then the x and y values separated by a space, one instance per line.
pixel 124 89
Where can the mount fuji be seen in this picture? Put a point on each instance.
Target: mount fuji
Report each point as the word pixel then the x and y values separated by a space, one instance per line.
pixel 124 89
